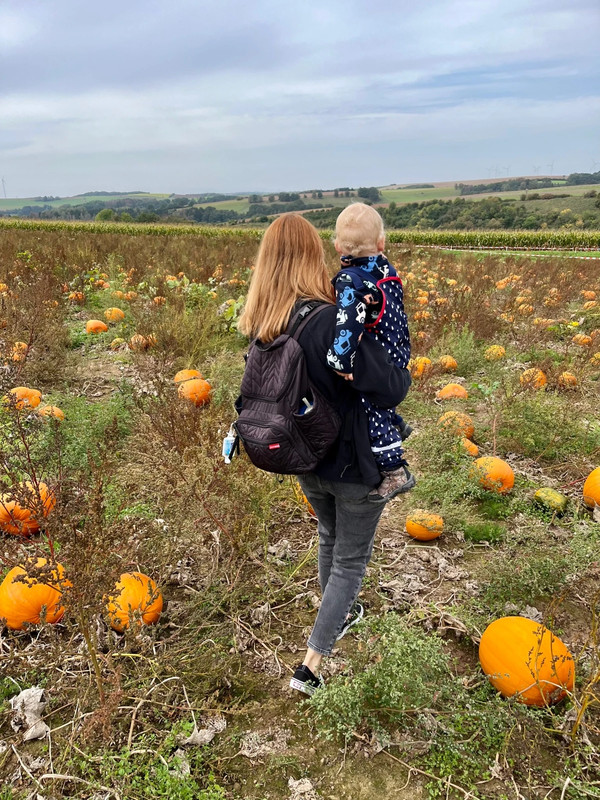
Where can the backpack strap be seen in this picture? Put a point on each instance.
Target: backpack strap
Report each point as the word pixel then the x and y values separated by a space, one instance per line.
pixel 308 310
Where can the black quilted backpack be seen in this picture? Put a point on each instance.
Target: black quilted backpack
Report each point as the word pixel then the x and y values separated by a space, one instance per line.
pixel 284 423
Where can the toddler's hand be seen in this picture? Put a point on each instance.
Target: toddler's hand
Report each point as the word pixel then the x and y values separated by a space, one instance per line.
pixel 347 376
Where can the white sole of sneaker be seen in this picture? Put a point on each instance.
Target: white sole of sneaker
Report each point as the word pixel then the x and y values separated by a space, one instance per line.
pixel 301 686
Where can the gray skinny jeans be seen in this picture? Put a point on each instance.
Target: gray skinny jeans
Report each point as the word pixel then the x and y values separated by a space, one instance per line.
pixel 347 523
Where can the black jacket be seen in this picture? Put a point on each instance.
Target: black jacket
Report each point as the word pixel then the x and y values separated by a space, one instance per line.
pixel 375 375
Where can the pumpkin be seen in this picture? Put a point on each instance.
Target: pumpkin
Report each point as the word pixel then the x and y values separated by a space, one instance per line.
pixel 76 297
pixel 309 507
pixel 448 363
pixel 550 499
pixel 118 294
pixel 196 390
pixel 451 391
pixel 114 315
pixel 470 447
pixel 591 489
pixel 595 360
pixel 494 474
pixel 588 295
pixel 533 378
pixel 130 296
pixel 117 343
pixel 186 375
pixel 139 343
pixel 494 353
pixel 524 660
pixel 419 366
pixel 23 601
pixel 19 351
pixel 50 411
pixel 21 517
pixel 159 300
pixel 423 525
pixel 589 305
pixel 458 423
pixel 566 380
pixel 95 326
pixel 136 597
pixel 582 340
pixel 23 397
pixel 525 309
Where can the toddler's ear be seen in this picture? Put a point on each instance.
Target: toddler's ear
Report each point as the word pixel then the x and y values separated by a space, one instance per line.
pixel 381 244
pixel 338 249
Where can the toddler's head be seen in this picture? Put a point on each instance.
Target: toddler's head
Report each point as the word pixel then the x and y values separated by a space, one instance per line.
pixel 359 231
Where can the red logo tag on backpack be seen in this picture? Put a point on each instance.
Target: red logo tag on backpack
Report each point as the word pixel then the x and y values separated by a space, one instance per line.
pixel 274 446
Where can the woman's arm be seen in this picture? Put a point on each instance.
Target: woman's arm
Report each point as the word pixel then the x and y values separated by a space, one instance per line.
pixel 377 377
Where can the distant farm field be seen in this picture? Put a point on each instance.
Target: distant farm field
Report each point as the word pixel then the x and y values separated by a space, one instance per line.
pixel 163 598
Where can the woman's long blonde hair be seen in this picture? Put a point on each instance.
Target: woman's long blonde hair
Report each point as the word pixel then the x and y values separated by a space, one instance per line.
pixel 290 265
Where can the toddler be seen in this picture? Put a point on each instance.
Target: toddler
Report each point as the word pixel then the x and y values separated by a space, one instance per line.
pixel 369 298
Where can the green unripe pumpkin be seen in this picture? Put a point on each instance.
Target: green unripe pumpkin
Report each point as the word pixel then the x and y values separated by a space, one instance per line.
pixel 551 500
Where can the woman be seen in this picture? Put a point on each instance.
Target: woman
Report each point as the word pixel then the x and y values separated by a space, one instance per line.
pixel 290 269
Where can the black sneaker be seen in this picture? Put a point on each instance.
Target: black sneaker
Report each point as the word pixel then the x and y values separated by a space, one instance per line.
pixel 306 681
pixel 357 612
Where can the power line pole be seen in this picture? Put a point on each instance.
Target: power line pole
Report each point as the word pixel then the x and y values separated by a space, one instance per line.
pixel 4 188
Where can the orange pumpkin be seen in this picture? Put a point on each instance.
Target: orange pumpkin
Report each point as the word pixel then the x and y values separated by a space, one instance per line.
pixel 494 474
pixel 95 326
pixel 423 525
pixel 118 294
pixel 19 351
pixel 588 295
pixel 23 397
pixel 29 600
pixel 582 340
pixel 533 379
pixel 452 391
pixel 494 353
pixel 130 296
pixel 50 411
pixel 159 300
pixel 137 598
pixel 309 507
pixel 448 363
pixel 524 660
pixel 140 343
pixel 470 447
pixel 419 366
pixel 21 517
pixel 196 391
pixel 114 315
pixel 566 380
pixel 76 297
pixel 186 375
pixel 458 423
pixel 591 489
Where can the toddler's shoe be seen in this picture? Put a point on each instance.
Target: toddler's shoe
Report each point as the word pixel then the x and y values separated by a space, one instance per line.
pixel 395 482
pixel 405 430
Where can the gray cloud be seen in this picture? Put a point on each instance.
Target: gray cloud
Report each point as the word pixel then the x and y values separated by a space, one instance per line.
pixel 192 96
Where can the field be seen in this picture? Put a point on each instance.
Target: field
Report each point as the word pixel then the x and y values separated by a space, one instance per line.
pixel 440 191
pixel 196 706
pixel 8 204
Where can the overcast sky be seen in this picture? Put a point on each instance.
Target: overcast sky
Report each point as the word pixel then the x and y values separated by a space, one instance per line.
pixel 192 96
